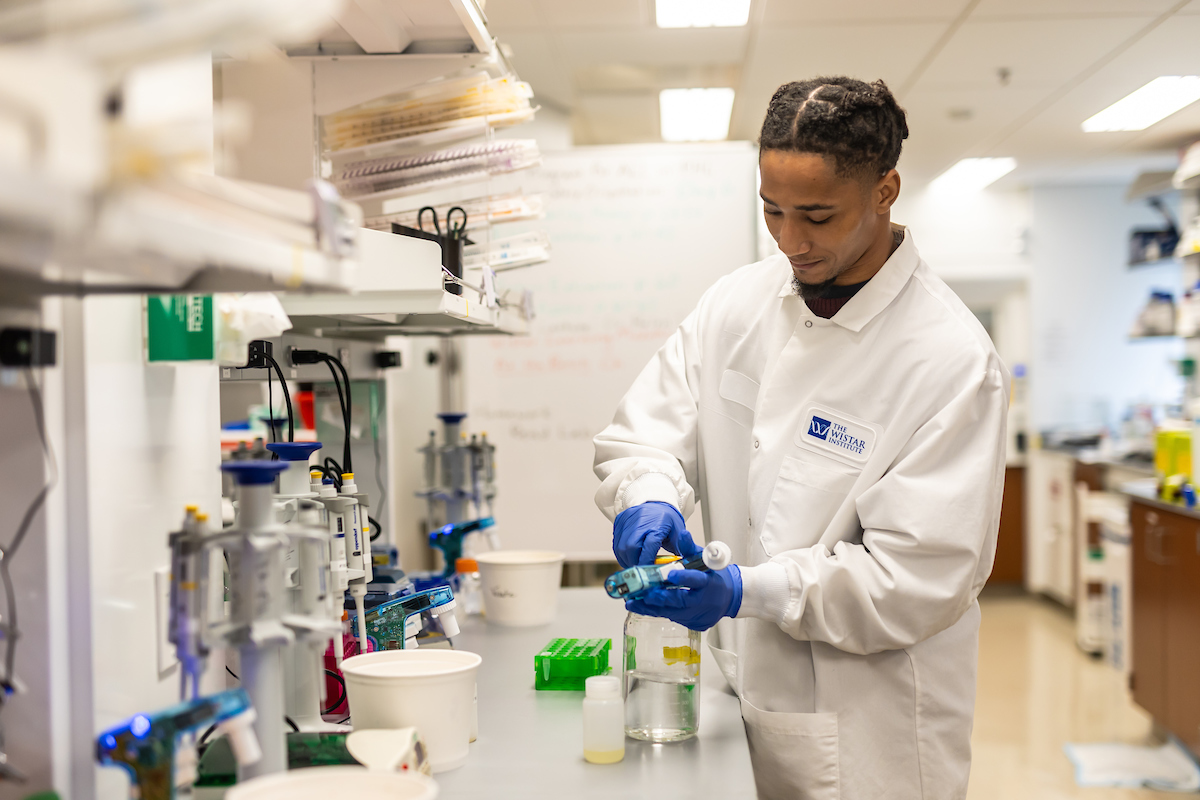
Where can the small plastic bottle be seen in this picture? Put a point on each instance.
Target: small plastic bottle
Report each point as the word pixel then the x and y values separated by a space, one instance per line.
pixel 603 720
pixel 470 589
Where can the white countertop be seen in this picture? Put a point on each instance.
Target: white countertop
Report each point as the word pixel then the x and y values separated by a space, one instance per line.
pixel 530 743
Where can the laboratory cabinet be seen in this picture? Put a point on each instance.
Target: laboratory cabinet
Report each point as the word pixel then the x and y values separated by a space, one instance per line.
pixel 1009 566
pixel 1166 617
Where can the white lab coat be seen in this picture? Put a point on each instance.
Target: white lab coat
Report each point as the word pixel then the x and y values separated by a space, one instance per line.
pixel 855 466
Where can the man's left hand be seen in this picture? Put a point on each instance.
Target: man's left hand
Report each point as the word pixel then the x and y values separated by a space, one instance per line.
pixel 697 599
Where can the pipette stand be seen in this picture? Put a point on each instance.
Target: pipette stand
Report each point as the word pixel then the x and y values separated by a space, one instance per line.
pixel 260 624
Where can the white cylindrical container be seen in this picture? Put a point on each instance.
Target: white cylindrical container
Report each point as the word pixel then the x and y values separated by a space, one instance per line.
pixel 520 587
pixel 429 689
pixel 603 720
pixel 321 783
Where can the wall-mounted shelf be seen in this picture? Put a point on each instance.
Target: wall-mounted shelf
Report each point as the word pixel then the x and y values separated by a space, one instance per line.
pixel 400 289
pixel 199 234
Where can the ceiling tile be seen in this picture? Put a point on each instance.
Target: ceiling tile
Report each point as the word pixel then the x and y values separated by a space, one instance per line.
pixel 588 13
pixel 1074 8
pixel 782 54
pixel 937 138
pixel 869 11
pixel 616 119
pixel 654 46
pixel 1040 52
pixel 1167 50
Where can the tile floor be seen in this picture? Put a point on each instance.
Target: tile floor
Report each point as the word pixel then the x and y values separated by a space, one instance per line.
pixel 1037 691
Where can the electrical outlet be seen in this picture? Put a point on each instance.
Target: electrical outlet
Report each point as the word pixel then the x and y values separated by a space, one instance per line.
pixel 162 620
pixel 260 351
pixel 27 347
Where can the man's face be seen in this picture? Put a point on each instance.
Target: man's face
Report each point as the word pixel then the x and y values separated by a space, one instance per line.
pixel 823 222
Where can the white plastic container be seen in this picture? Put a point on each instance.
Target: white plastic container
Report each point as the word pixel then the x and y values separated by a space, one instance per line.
pixel 431 690
pixel 603 720
pixel 322 783
pixel 520 587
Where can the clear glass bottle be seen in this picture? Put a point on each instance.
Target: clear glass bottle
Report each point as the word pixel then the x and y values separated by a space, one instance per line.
pixel 662 680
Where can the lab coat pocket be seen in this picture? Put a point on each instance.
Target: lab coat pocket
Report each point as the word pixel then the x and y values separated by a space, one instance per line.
pixel 794 756
pixel 805 498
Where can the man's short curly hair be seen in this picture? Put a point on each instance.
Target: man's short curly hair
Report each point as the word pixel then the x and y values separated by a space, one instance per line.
pixel 859 125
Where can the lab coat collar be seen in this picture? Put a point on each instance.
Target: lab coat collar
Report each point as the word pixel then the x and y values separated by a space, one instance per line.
pixel 879 292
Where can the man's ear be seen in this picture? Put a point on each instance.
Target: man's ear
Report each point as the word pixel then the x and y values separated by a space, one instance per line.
pixel 886 191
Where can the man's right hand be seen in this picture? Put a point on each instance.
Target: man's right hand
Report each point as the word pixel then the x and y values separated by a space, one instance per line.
pixel 639 532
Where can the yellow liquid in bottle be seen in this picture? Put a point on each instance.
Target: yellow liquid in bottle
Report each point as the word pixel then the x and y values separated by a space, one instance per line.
pixel 604 756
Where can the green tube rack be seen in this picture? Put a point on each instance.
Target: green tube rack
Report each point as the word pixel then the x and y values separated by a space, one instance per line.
pixel 564 664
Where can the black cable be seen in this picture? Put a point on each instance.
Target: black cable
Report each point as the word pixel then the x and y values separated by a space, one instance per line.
pixel 270 410
pixel 287 396
pixel 294 726
pixel 231 672
pixel 334 471
pixel 347 402
pixel 341 697
pixel 331 474
pixel 378 528
pixel 11 629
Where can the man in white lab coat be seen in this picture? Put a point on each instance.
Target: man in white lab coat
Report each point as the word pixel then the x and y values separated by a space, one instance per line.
pixel 841 416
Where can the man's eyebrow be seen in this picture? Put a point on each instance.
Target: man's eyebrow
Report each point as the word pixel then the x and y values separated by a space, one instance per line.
pixel 809 207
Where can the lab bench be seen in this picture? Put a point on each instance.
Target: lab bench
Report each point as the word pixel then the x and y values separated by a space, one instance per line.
pixel 531 743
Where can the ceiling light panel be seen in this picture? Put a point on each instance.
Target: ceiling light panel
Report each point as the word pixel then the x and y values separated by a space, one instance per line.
pixel 701 13
pixel 973 174
pixel 695 115
pixel 1157 100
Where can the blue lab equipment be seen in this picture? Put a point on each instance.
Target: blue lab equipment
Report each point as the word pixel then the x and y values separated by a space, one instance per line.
pixel 449 539
pixel 145 745
pixel 391 626
pixel 635 582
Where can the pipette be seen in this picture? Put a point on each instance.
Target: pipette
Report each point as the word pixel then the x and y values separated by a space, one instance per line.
pixel 152 747
pixel 449 539
pixel 632 583
pixel 358 557
pixel 188 625
pixel 393 625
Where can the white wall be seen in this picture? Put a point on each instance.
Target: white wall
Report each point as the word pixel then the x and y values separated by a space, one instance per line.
pixel 1084 369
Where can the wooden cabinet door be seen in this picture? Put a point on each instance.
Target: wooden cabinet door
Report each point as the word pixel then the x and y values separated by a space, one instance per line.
pixel 1181 553
pixel 1150 596
pixel 1009 566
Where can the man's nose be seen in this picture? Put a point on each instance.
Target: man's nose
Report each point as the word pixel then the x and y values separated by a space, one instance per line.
pixel 793 239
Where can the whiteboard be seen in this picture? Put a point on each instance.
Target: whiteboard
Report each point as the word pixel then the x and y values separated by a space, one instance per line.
pixel 637 234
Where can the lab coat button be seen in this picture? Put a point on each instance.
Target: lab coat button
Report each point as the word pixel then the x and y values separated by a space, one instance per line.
pixel 808 323
pixel 749 523
pixel 756 444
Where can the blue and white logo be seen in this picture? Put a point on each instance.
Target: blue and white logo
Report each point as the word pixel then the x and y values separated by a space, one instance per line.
pixel 836 434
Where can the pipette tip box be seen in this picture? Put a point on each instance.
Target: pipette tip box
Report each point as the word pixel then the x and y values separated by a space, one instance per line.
pixel 564 664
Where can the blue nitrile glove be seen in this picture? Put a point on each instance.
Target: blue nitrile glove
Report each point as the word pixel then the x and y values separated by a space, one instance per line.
pixel 701 601
pixel 639 532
